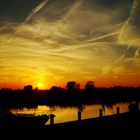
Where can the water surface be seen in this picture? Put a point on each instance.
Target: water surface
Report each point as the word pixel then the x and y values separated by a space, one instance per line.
pixel 65 114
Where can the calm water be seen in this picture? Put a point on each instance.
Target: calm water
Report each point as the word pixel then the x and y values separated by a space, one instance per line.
pixel 64 114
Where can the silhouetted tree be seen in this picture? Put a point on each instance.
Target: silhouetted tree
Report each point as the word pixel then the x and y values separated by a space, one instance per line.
pixel 55 89
pixel 72 85
pixel 28 88
pixel 36 89
pixel 89 85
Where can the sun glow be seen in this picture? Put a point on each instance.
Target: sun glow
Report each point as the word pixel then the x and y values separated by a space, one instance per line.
pixel 40 85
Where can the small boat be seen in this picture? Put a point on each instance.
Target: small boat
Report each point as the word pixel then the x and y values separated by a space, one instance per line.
pixel 8 118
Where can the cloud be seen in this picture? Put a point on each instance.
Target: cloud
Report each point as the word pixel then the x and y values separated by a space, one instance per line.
pixel 107 70
pixel 69 39
pixel 137 53
pixel 74 8
pixel 126 66
pixel 36 9
pixel 130 32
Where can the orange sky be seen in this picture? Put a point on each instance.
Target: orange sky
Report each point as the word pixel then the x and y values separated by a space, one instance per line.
pixel 120 80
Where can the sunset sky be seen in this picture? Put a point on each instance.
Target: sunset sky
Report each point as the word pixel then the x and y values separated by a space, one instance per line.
pixel 50 42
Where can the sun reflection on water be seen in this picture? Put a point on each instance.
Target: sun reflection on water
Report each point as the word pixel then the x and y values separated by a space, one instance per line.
pixel 65 114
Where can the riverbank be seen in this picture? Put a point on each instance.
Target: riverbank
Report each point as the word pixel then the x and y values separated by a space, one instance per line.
pixel 62 97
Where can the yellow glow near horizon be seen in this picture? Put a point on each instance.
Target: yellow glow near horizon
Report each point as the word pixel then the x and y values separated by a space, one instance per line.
pixel 40 85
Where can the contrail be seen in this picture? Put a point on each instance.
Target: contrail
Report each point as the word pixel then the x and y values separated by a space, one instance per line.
pixel 94 41
pixel 104 32
pixel 131 16
pixel 36 9
pixel 2 28
pixel 120 59
pixel 73 9
pixel 137 53
pixel 102 37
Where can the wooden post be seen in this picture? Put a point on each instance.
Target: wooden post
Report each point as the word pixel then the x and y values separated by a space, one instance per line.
pixel 100 113
pixel 79 115
pixel 52 119
pixel 118 110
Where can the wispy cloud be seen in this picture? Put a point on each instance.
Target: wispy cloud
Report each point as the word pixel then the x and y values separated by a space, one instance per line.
pixel 74 8
pixel 137 53
pixel 68 46
pixel 36 9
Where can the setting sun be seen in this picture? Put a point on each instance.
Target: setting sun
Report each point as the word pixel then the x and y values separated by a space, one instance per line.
pixel 40 85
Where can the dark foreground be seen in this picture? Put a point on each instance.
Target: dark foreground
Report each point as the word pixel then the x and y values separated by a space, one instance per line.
pixel 123 126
